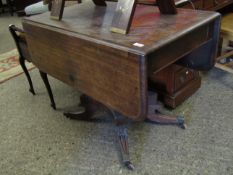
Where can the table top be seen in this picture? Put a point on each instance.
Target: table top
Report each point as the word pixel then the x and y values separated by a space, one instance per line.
pixel 81 51
pixel 91 22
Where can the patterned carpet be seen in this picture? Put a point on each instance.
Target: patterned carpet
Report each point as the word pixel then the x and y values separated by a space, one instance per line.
pixel 10 67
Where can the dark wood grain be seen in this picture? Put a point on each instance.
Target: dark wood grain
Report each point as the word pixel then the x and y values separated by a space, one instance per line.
pixel 174 84
pixel 109 75
pixel 81 51
pixel 147 25
pixel 167 6
pixel 20 5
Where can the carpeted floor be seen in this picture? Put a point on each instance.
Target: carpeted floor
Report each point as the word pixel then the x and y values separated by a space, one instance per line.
pixel 10 67
pixel 36 140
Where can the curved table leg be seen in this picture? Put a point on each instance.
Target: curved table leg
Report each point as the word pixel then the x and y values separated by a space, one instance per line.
pixel 122 137
pixel 159 118
pixel 89 107
pixel 47 85
pixel 155 116
pixel 87 111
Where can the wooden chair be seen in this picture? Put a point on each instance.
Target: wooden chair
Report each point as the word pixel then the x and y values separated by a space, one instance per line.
pixel 20 41
pixel 226 48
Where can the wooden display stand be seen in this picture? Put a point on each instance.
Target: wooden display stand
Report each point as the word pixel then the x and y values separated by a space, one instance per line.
pixel 123 14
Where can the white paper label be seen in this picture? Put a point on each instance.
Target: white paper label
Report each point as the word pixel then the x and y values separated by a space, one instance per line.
pixel 138 44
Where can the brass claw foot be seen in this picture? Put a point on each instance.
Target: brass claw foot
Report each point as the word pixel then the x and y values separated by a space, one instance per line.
pixel 155 116
pixel 180 122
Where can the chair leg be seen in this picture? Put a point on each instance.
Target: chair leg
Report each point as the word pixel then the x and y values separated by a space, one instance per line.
pixel 22 63
pixel 47 85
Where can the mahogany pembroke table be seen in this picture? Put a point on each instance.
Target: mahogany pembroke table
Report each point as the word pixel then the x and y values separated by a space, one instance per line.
pixel 111 69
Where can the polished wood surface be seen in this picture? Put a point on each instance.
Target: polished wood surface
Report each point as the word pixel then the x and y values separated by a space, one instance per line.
pixel 81 51
pixel 174 84
pixel 144 30
pixel 167 6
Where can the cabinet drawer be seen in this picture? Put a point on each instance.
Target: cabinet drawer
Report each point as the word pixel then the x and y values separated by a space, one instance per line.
pixel 183 77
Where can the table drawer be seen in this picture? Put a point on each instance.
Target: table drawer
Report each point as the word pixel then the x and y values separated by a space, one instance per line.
pixel 182 78
pixel 174 84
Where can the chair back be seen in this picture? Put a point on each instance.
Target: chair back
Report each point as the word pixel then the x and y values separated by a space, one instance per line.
pixel 20 41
